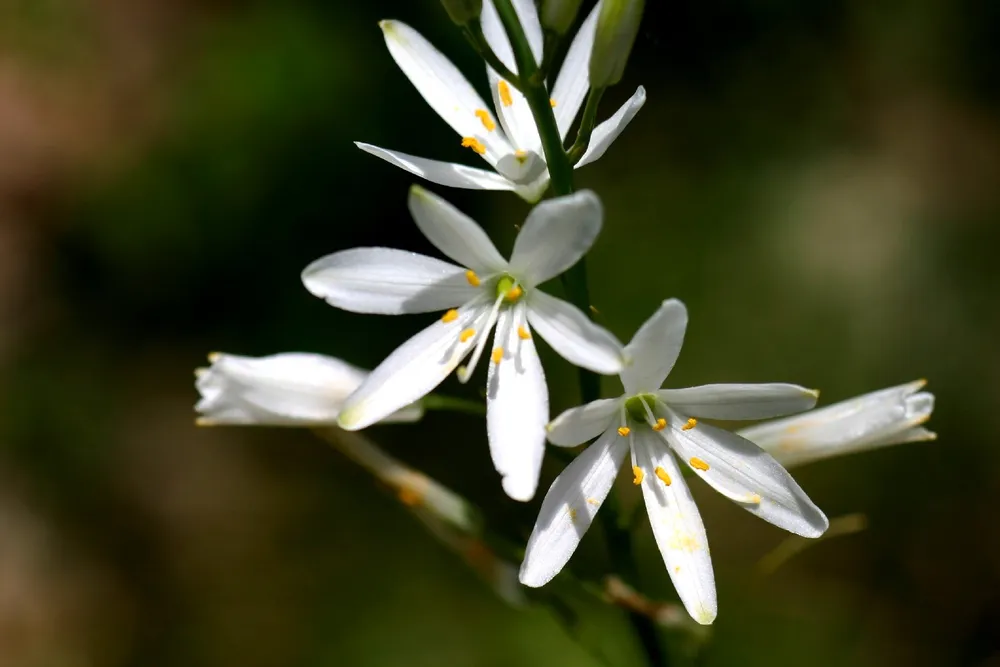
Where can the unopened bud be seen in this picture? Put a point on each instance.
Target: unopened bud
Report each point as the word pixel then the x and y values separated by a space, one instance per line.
pixel 463 11
pixel 558 15
pixel 617 26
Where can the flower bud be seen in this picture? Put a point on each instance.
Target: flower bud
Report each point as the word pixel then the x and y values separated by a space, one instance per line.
pixel 617 26
pixel 463 11
pixel 558 15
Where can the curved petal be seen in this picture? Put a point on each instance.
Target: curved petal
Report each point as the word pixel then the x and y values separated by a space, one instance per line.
pixel 746 474
pixel 443 173
pixel 556 234
pixel 580 424
pixel 677 526
pixel 443 87
pixel 605 133
pixel 532 192
pixel 653 351
pixel 454 233
pixel 573 81
pixel 569 508
pixel 740 401
pixel 386 281
pixel 413 369
pixel 517 406
pixel 575 338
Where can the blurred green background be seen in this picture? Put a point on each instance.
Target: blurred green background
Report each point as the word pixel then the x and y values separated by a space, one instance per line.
pixel 818 181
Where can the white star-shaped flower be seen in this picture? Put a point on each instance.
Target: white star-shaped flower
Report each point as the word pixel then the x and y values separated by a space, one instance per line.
pixel 656 425
pixel 484 291
pixel 511 146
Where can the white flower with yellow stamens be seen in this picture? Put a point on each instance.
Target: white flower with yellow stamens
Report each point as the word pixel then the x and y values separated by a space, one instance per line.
pixel 290 389
pixel 508 141
pixel 886 417
pixel 656 425
pixel 485 291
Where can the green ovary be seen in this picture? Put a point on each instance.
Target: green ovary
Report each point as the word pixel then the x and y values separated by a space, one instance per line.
pixel 635 408
pixel 507 287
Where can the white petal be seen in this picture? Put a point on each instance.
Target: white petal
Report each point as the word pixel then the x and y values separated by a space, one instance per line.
pixel 745 473
pixel 677 526
pixel 653 351
pixel 387 281
pixel 740 401
pixel 413 369
pixel 575 338
pixel 514 113
pixel 517 408
pixel 441 84
pixel 454 233
pixel 443 173
pixel 532 192
pixel 573 81
pixel 282 389
pixel 884 417
pixel 569 508
pixel 605 133
pixel 496 36
pixel 556 234
pixel 580 424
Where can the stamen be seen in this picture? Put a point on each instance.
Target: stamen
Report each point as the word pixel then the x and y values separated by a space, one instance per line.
pixel 624 430
pixel 592 501
pixel 473 279
pixel 450 316
pixel 410 496
pixel 522 333
pixel 698 463
pixel 466 335
pixel 484 117
pixel 491 319
pixel 497 356
pixel 662 474
pixel 661 424
pixel 520 152
pixel 552 102
pixel 474 144
pixel 691 423
pixel 572 514
pixel 504 89
pixel 639 475
pixel 514 293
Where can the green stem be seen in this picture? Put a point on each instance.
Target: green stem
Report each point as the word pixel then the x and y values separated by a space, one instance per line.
pixel 586 125
pixel 452 404
pixel 474 33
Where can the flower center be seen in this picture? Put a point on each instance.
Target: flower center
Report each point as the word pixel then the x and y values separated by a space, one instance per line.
pixel 509 289
pixel 635 408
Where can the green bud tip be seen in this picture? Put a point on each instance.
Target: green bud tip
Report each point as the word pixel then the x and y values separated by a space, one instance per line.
pixel 617 26
pixel 462 12
pixel 558 15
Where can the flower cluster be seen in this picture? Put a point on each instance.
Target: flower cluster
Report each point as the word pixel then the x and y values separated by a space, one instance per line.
pixel 478 294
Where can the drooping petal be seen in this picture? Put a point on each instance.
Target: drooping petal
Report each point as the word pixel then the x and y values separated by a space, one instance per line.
pixel 413 369
pixel 605 133
pixel 443 173
pixel 653 351
pixel 740 401
pixel 569 508
pixel 575 338
pixel 677 526
pixel 555 235
pixel 443 87
pixel 746 474
pixel 880 418
pixel 517 406
pixel 580 424
pixel 454 233
pixel 573 81
pixel 387 281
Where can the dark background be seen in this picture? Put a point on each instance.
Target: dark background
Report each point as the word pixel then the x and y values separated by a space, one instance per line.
pixel 818 181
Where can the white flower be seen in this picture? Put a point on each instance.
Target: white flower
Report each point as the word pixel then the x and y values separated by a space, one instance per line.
pixel 512 145
pixel 656 425
pixel 291 389
pixel 485 291
pixel 886 417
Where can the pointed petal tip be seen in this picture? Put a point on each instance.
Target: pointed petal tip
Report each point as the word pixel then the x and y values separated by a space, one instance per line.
pixel 517 489
pixel 203 421
pixel 214 357
pixel 532 579
pixel 703 615
pixel 386 24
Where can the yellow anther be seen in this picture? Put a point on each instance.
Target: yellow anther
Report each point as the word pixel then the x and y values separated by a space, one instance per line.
pixel 504 89
pixel 474 144
pixel 698 463
pixel 450 316
pixel 484 117
pixel 691 423
pixel 624 430
pixel 410 496
pixel 552 102
pixel 592 501
pixel 522 333
pixel 514 293
pixel 520 152
pixel 662 474
pixel 473 279
pixel 466 335
pixel 497 355
pixel 660 424
pixel 572 514
pixel 637 471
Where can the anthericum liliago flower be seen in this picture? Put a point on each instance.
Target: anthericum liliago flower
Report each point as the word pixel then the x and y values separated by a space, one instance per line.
pixel 509 140
pixel 656 425
pixel 484 291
